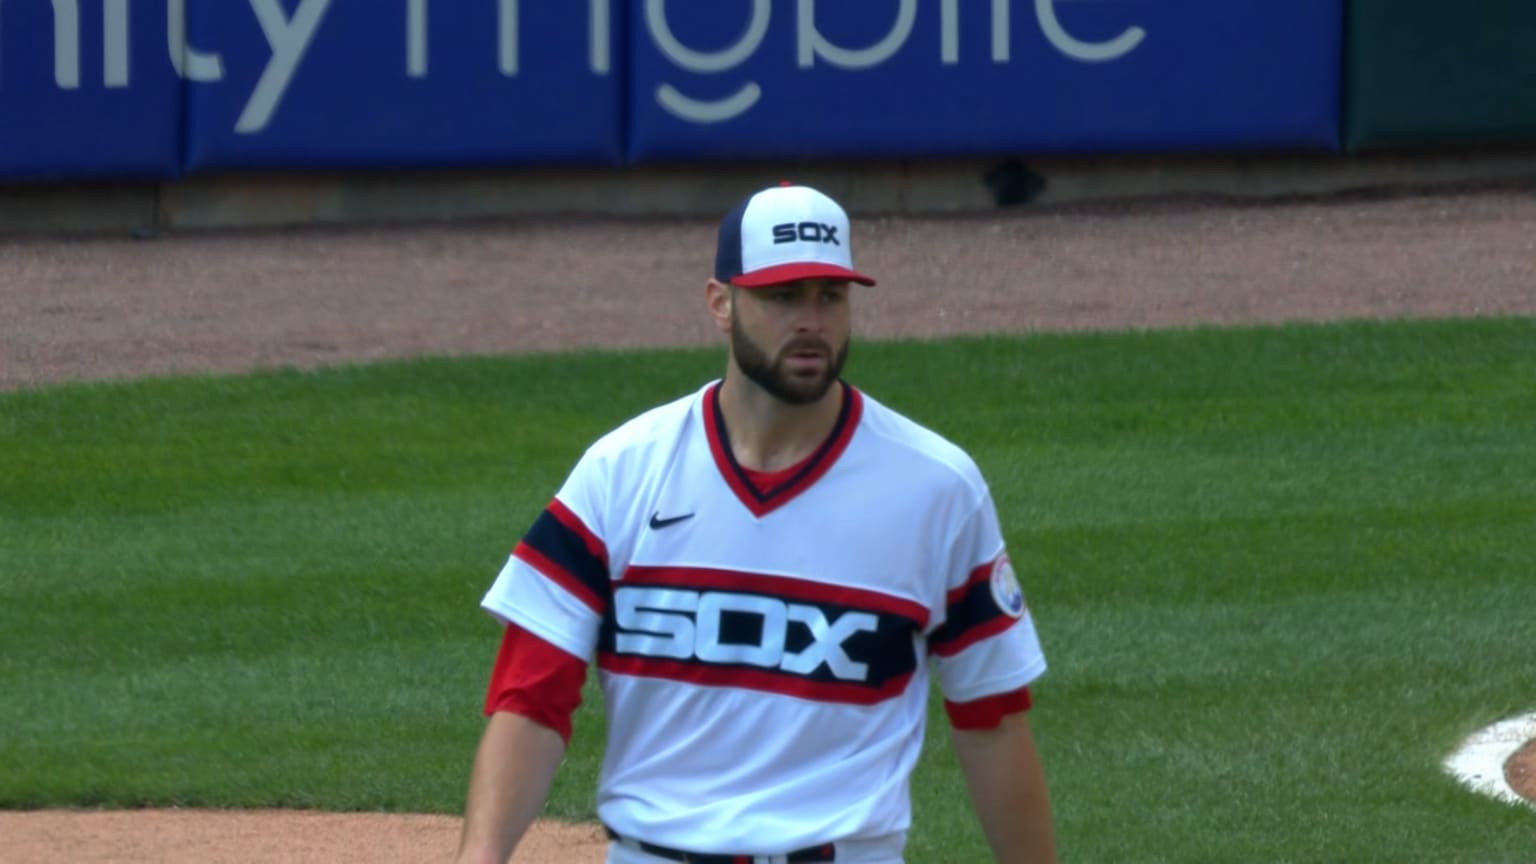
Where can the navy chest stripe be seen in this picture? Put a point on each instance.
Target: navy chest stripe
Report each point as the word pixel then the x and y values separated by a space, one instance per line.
pixel 563 549
pixel 761 632
pixel 973 615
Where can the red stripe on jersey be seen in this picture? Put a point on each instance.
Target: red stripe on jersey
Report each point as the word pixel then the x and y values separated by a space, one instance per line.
pixel 980 573
pixel 751 679
pixel 972 613
pixel 970 637
pixel 559 575
pixel 537 680
pixel 782 587
pixel 988 711
pixel 569 519
pixel 764 481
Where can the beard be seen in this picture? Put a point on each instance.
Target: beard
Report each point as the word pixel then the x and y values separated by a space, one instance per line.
pixel 771 374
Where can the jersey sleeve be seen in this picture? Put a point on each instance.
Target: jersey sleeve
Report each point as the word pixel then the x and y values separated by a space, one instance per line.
pixel 985 651
pixel 555 584
pixel 537 680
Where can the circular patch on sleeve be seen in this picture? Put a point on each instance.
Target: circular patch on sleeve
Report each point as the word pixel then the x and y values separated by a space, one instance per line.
pixel 1005 588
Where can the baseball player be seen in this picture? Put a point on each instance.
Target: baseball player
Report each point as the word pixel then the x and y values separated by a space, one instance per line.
pixel 766 573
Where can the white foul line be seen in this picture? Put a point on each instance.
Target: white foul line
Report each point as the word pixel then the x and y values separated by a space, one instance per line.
pixel 1479 762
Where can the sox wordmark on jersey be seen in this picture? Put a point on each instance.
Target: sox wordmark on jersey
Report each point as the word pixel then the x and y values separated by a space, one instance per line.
pixel 815 645
pixel 724 627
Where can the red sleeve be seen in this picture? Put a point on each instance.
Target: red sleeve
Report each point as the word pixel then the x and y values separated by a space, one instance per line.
pixel 989 711
pixel 537 680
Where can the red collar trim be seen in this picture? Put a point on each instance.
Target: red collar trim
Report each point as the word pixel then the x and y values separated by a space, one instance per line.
pixel 805 474
pixel 765 480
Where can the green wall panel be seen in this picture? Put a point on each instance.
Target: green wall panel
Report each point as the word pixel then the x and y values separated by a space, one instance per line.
pixel 1439 72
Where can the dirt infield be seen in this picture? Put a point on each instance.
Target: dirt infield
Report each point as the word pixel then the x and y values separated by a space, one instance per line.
pixel 111 308
pixel 105 308
pixel 263 837
pixel 1520 771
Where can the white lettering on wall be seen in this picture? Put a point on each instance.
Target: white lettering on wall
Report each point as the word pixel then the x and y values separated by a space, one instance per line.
pixel 188 62
pixel 288 38
pixel 599 37
pixel 1001 37
pixel 697 110
pixel 811 44
pixel 949 32
pixel 117 47
pixel 66 44
pixel 1088 52
pixel 707 61
pixel 114 51
pixel 507 38
pixel 416 38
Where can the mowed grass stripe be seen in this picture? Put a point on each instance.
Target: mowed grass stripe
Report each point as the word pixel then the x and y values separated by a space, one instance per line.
pixel 1278 571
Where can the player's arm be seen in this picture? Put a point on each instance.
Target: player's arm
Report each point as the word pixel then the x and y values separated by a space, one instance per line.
pixel 534 689
pixel 1008 790
pixel 987 653
pixel 513 770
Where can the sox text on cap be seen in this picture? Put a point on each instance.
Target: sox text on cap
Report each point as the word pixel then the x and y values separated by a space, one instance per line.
pixel 784 234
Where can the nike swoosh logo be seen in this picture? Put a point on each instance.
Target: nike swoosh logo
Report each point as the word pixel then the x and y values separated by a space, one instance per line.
pixel 658 522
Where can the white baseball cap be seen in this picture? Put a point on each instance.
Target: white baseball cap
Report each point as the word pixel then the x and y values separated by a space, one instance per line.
pixel 783 234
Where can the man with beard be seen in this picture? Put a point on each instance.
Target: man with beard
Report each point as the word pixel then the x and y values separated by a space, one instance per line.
pixel 766 573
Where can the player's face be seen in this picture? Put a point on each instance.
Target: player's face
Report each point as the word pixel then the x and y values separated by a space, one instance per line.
pixel 792 339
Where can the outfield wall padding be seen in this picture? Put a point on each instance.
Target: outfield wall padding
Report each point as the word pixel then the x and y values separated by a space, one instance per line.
pixel 166 89
pixel 342 84
pixel 87 90
pixel 761 79
pixel 1436 73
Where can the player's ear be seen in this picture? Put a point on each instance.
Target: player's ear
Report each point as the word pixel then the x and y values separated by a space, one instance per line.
pixel 718 297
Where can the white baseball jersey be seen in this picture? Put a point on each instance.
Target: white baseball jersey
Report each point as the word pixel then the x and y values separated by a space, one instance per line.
pixel 764 658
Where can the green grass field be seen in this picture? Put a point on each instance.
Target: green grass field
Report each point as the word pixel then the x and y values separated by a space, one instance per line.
pixel 1279 572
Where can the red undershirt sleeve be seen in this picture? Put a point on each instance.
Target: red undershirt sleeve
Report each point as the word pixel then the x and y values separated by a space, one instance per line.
pixel 989 711
pixel 537 680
